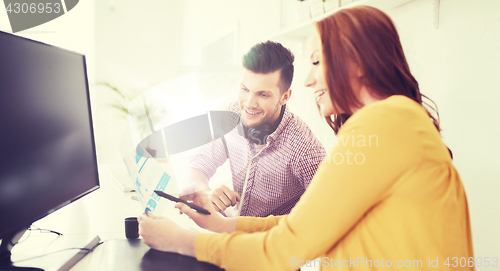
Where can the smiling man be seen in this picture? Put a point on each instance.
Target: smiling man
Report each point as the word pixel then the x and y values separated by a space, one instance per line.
pixel 273 154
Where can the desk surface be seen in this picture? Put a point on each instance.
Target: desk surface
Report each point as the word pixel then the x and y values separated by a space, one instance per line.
pixel 122 255
pixel 102 213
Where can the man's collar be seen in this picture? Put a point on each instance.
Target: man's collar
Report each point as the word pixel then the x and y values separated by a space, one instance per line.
pixel 287 115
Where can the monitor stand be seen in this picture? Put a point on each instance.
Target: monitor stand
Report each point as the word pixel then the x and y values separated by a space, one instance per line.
pixel 8 242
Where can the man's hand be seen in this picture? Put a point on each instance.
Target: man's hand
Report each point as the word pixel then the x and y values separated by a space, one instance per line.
pixel 223 197
pixel 163 234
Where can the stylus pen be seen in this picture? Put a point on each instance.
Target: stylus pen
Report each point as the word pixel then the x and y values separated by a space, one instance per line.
pixel 172 198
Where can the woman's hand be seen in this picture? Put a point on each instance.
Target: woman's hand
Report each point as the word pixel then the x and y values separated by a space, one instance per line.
pixel 213 222
pixel 163 234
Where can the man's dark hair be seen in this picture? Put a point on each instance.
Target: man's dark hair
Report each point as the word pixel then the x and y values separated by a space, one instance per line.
pixel 267 57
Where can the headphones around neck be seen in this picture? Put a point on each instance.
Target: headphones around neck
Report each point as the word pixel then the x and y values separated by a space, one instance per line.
pixel 259 134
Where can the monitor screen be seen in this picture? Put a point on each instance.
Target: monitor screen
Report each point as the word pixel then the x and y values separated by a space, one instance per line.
pixel 47 151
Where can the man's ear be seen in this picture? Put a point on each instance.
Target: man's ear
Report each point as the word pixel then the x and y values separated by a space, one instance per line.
pixel 286 96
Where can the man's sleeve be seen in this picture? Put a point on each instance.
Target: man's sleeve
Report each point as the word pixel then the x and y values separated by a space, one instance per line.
pixel 213 155
pixel 209 157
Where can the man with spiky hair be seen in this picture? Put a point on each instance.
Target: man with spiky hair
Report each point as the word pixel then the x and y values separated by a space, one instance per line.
pixel 273 154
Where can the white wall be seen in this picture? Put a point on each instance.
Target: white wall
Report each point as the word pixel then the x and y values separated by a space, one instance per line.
pixel 138 45
pixel 203 22
pixel 458 66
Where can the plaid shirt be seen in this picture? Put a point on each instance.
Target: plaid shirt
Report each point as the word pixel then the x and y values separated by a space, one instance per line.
pixel 277 175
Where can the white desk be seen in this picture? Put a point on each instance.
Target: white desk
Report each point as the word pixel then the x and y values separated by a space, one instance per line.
pixel 102 213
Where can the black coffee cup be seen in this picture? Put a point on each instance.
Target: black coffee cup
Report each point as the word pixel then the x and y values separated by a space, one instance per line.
pixel 131 227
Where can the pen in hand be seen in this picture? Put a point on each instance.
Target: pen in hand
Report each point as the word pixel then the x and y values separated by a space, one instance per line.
pixel 172 198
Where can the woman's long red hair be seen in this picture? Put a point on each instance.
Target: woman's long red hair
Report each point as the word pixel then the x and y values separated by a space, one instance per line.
pixel 367 37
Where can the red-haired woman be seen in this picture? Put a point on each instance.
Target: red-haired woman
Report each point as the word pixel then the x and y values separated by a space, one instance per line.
pixel 387 195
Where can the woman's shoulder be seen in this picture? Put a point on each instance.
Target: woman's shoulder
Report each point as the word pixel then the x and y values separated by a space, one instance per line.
pixel 399 121
pixel 395 104
pixel 394 110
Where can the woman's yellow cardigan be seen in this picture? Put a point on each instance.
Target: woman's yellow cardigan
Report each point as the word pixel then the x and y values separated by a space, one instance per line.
pixel 387 194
